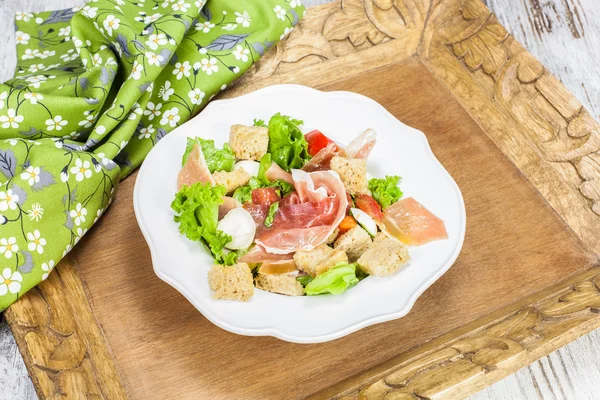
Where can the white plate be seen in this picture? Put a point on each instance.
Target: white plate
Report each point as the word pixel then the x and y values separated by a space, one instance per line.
pixel 400 150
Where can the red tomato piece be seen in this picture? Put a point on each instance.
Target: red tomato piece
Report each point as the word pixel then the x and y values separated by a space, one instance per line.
pixel 369 205
pixel 316 142
pixel 265 196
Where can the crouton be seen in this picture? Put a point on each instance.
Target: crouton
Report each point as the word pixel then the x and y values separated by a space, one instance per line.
pixel 282 284
pixel 231 180
pixel 384 257
pixel 231 282
pixel 353 173
pixel 333 236
pixel 319 259
pixel 249 142
pixel 354 242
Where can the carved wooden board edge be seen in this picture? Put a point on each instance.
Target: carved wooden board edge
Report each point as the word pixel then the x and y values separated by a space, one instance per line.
pixel 474 356
pixel 541 127
pixel 64 349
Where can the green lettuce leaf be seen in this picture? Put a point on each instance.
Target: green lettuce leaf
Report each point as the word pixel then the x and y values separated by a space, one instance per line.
pixel 271 214
pixel 385 190
pixel 216 159
pixel 304 279
pixel 287 144
pixel 243 194
pixel 265 163
pixel 259 122
pixel 197 212
pixel 335 281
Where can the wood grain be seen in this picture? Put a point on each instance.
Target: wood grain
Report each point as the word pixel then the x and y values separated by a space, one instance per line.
pixel 158 319
pixel 66 352
pixel 468 359
pixel 469 72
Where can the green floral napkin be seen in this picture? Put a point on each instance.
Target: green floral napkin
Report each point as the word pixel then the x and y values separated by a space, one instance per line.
pixel 95 89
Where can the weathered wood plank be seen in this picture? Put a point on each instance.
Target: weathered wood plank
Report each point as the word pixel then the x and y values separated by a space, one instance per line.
pixel 564 36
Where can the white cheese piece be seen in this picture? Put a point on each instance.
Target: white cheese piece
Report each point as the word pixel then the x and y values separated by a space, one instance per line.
pixel 251 167
pixel 364 220
pixel 238 223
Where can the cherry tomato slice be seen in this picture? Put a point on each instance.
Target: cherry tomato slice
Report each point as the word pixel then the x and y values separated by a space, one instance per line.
pixel 369 205
pixel 316 142
pixel 264 196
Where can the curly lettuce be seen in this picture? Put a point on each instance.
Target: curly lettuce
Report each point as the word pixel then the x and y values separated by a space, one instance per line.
pixel 385 190
pixel 287 144
pixel 216 159
pixel 197 213
pixel 259 122
pixel 336 280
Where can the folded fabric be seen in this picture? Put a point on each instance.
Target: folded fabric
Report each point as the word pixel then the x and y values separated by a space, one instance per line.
pixel 95 89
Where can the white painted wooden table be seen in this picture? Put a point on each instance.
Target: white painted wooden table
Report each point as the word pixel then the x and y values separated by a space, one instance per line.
pixel 565 36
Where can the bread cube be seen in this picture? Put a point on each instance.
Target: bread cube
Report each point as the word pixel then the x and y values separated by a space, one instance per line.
pixel 249 142
pixel 333 236
pixel 231 180
pixel 354 242
pixel 353 173
pixel 319 259
pixel 282 284
pixel 231 282
pixel 384 257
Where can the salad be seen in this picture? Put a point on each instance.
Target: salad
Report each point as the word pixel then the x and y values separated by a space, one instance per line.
pixel 293 213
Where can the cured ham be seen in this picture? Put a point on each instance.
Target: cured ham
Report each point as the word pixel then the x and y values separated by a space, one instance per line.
pixel 305 187
pixel 258 212
pixel 322 160
pixel 229 203
pixel 194 170
pixel 275 172
pixel 305 225
pixel 258 255
pixel 363 144
pixel 410 222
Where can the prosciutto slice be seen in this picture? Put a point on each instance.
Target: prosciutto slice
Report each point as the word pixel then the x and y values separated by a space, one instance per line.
pixel 194 170
pixel 275 172
pixel 305 221
pixel 363 144
pixel 305 187
pixel 322 160
pixel 259 255
pixel 411 223
pixel 258 213
pixel 229 203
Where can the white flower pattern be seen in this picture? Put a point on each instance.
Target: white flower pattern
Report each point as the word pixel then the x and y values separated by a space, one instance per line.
pixel 31 175
pixel 170 117
pixel 81 170
pixel 36 242
pixel 47 268
pixel 10 281
pixel 70 132
pixel 8 246
pixel 209 65
pixel 78 214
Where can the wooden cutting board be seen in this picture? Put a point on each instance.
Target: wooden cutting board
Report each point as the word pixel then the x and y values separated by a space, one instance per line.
pixel 525 155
